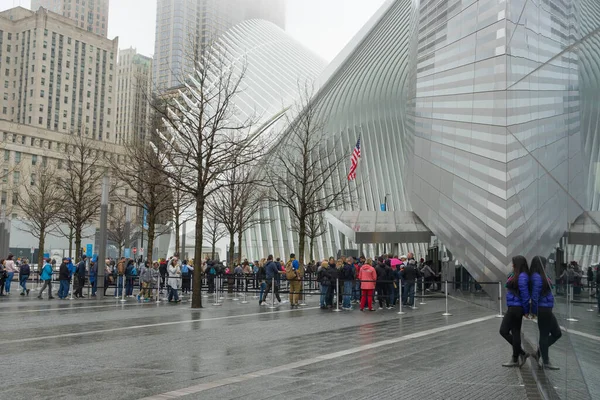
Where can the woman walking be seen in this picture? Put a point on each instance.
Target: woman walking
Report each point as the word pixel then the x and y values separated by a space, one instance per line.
pixel 367 277
pixel 11 268
pixel 517 301
pixel 542 303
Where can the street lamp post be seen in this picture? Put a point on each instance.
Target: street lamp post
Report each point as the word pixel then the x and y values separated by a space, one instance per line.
pixel 101 262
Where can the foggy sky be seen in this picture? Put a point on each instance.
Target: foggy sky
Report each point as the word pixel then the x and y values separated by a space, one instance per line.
pixel 324 26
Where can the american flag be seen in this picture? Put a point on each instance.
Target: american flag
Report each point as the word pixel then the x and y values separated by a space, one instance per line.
pixel 354 161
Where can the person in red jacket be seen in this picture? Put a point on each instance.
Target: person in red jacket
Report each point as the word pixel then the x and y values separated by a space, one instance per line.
pixel 367 277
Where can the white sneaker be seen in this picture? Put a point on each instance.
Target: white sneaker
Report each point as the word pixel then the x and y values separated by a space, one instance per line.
pixel 263 304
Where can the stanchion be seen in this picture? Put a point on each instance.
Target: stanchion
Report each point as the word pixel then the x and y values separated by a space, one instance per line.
pixel 591 305
pixel 72 282
pixel 117 288
pixel 236 282
pixel 400 298
pixel 123 291
pixel 570 303
pixel 272 306
pixel 414 304
pixel 446 314
pixel 422 293
pixel 244 301
pixel 158 291
pixel 221 290
pixel 216 298
pixel 500 300
pixel 302 295
pixel 256 287
pixel 337 295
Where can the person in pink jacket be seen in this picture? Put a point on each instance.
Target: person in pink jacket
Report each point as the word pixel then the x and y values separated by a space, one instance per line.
pixel 367 277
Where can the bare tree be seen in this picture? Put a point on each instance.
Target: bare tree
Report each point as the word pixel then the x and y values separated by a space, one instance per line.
pixel 41 204
pixel 206 136
pixel 142 174
pixel 302 173
pixel 116 225
pixel 315 227
pixel 215 232
pixel 248 213
pixel 81 185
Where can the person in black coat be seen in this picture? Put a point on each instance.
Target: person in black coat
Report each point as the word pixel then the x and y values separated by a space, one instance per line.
pixel 64 276
pixel 333 274
pixel 381 287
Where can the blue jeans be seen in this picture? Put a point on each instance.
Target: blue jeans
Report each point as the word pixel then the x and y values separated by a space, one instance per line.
pixel 23 282
pixel 8 281
pixel 120 286
pixel 356 291
pixel 129 286
pixel 63 290
pixel 347 294
pixel 408 293
pixel 263 286
pixel 324 291
pixel 173 295
pixel 94 287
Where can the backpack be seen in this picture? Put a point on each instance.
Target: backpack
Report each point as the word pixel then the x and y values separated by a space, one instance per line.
pixel 25 270
pixel 185 270
pixel 212 271
pixel 121 268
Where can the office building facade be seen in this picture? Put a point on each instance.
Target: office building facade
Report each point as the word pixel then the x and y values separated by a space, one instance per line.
pixel 56 75
pixel 134 74
pixel 91 15
pixel 185 27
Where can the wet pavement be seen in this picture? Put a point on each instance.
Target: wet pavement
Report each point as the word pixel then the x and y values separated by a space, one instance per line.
pixel 88 349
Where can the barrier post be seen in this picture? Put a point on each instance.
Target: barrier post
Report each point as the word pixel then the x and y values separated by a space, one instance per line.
pixel 570 303
pixel 400 297
pixel 272 306
pixel 591 305
pixel 221 290
pixel 414 304
pixel 158 291
pixel 500 315
pixel 422 293
pixel 446 314
pixel 216 298
pixel 256 286
pixel 122 290
pixel 72 284
pixel 236 283
pixel 302 296
pixel 337 295
pixel 244 301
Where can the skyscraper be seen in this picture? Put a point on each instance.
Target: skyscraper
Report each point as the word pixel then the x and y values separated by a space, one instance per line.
pixel 133 108
pixel 91 15
pixel 186 27
pixel 56 76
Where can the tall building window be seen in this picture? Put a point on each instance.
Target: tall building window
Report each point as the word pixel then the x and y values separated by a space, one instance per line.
pixel 6 155
pixel 16 177
pixel 17 156
pixel 34 159
pixel 3 198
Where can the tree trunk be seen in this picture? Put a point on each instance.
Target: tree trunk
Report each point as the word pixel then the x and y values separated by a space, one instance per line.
pixel 70 241
pixel 231 248
pixel 214 247
pixel 78 243
pixel 196 294
pixel 177 228
pixel 302 240
pixel 239 247
pixel 312 244
pixel 150 238
pixel 41 245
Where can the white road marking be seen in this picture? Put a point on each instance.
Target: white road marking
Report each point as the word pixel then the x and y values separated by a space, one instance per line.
pixel 45 310
pixel 583 334
pixel 303 363
pixel 125 328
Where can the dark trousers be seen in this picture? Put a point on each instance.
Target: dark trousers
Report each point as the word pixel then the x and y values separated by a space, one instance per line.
pixel 510 329
pixel 549 331
pixel 275 291
pixel 80 285
pixel 382 294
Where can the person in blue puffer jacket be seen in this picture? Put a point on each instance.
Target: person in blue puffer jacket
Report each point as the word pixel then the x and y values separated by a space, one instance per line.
pixel 517 301
pixel 542 302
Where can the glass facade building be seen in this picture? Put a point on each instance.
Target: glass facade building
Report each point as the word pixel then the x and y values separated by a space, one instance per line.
pixel 479 116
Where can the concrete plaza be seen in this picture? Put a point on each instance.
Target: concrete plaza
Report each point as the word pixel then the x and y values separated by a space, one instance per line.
pixel 85 349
